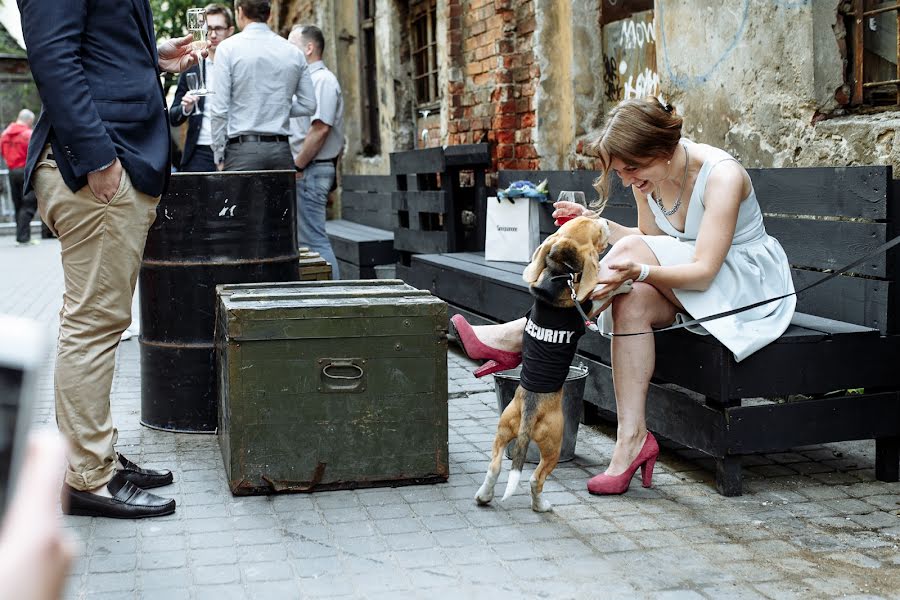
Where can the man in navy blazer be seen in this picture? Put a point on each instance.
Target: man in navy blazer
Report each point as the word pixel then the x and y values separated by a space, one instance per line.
pixel 98 162
pixel 197 155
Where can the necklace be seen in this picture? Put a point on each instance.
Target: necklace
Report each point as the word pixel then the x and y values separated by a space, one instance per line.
pixel 677 204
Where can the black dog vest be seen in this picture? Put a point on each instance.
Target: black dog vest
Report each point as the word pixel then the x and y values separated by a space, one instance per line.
pixel 549 344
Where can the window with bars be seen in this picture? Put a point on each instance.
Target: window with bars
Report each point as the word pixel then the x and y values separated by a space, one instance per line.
pixel 368 77
pixel 874 48
pixel 423 29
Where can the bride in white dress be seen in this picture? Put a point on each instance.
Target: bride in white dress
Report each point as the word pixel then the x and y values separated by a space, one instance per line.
pixel 700 248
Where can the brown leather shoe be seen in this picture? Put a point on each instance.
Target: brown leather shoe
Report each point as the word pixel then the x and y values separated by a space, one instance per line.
pixel 143 478
pixel 128 501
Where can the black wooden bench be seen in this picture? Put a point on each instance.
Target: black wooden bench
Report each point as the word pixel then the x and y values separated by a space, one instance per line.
pixel 363 239
pixel 845 335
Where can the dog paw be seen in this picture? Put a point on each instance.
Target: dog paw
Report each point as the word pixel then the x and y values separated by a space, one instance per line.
pixel 483 499
pixel 485 494
pixel 538 504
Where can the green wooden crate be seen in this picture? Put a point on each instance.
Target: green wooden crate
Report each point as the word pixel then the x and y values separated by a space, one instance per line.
pixel 331 385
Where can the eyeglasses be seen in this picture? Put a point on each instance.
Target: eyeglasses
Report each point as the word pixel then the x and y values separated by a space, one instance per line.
pixel 216 30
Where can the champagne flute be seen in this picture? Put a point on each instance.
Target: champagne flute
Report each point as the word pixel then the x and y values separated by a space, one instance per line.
pixel 196 22
pixel 193 88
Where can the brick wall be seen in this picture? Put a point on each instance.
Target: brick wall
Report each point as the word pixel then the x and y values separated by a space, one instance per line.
pixel 490 48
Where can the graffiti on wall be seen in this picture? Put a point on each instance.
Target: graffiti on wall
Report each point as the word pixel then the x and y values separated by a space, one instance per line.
pixel 629 50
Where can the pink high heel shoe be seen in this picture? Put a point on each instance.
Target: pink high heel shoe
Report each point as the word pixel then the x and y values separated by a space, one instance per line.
pixel 497 360
pixel 604 484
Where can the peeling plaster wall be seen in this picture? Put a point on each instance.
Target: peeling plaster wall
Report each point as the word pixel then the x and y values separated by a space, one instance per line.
pixel 555 95
pixel 569 95
pixel 752 76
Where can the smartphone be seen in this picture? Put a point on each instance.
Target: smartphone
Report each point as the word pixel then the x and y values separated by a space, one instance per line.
pixel 22 350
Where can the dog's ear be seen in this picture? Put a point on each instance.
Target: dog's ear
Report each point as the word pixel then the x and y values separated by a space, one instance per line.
pixel 536 266
pixel 590 275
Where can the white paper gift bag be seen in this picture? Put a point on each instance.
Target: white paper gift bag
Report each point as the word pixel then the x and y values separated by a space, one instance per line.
pixel 512 229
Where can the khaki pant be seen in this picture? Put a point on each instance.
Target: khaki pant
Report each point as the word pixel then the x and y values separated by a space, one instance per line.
pixel 102 245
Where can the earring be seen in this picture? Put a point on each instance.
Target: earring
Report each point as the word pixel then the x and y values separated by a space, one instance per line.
pixel 668 162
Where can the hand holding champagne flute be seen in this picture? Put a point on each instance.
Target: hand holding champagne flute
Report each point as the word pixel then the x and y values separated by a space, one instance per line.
pixel 196 22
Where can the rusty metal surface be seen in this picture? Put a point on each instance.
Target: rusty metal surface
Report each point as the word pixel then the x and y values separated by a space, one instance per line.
pixel 211 228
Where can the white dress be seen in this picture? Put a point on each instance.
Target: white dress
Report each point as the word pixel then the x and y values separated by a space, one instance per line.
pixel 755 268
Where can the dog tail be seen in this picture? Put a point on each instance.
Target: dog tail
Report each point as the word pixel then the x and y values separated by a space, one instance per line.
pixel 520 449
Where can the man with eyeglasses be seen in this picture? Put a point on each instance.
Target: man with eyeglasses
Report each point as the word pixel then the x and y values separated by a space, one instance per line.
pixel 197 155
pixel 261 81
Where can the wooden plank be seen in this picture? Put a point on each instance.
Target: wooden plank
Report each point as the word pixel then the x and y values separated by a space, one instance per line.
pixel 420 242
pixel 850 192
pixel 363 253
pixel 464 287
pixel 670 413
pixel 851 299
pixel 860 360
pixel 380 219
pixel 426 160
pixel 463 155
pixel 368 183
pixel 830 244
pixel 499 273
pixel 357 231
pixel 623 215
pixel 367 201
pixel 774 427
pixel 420 201
pixel 477 258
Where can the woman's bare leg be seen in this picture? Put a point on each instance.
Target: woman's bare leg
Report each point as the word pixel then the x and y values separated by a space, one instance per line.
pixel 503 336
pixel 634 358
pixel 633 361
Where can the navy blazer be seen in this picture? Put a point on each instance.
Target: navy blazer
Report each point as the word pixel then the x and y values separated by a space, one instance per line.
pixel 195 121
pixel 96 68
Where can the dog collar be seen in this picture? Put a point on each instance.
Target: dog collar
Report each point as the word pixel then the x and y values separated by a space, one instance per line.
pixel 571 280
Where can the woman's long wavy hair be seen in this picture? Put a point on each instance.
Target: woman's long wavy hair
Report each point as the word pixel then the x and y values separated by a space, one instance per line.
pixel 636 132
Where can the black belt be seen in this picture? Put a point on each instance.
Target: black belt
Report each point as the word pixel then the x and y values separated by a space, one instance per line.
pixel 240 139
pixel 323 161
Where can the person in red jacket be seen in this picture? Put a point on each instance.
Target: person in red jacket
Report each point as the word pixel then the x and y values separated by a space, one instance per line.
pixel 14 147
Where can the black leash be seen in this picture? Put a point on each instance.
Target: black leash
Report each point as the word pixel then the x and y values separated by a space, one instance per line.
pixel 574 278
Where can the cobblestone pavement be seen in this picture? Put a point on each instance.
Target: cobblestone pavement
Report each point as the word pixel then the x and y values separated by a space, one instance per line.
pixel 813 522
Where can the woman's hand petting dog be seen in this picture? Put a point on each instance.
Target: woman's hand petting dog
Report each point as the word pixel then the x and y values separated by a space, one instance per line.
pixel 611 277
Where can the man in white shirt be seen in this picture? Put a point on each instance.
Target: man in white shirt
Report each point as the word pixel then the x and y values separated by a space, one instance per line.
pixel 257 74
pixel 317 142
pixel 197 155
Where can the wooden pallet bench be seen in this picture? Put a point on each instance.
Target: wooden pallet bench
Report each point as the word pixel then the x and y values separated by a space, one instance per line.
pixel 844 335
pixel 363 239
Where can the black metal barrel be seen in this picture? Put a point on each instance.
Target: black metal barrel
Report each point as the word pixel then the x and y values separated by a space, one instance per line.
pixel 211 228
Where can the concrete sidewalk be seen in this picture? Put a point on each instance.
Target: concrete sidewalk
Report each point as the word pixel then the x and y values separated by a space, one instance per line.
pixel 813 522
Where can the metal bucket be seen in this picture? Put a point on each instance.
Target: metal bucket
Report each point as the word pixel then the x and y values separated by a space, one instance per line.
pixel 210 228
pixel 505 384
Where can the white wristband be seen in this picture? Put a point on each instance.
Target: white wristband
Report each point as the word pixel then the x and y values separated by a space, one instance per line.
pixel 645 271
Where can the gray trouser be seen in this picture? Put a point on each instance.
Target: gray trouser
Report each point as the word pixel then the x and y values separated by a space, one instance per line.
pixel 258 156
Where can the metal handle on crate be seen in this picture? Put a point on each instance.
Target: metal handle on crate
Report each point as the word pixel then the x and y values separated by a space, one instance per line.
pixel 331 381
pixel 339 365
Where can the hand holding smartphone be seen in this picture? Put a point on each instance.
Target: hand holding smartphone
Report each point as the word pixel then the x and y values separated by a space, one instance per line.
pixel 22 349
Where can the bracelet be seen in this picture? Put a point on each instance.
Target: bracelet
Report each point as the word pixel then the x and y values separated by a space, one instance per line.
pixel 645 272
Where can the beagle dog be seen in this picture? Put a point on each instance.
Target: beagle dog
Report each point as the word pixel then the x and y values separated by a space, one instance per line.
pixel 566 264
